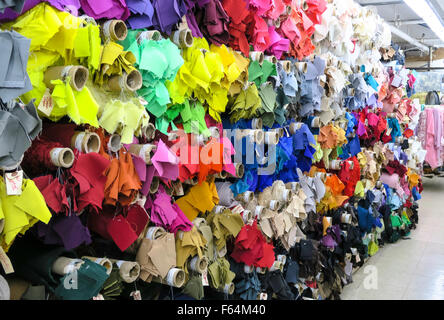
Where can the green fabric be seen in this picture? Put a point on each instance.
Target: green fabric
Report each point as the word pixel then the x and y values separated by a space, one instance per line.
pixel 268 98
pixel 194 287
pixel 90 278
pixel 220 274
pixel 113 286
pixel 396 221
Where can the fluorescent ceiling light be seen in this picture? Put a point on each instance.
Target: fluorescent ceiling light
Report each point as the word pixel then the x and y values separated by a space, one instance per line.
pixel 423 9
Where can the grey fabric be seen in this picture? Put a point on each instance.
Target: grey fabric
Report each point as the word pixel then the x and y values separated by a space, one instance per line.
pixel 14 79
pixel 5 292
pixel 16 5
pixel 17 129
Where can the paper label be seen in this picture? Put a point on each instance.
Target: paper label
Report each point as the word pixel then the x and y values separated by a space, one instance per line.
pixel 238 209
pixel 14 182
pixel 46 104
pixel 136 295
pixel 6 263
pixel 98 297
pixel 205 281
pixel 263 296
pixel 358 259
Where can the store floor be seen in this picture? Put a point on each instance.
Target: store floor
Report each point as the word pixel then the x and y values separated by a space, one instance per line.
pixel 409 269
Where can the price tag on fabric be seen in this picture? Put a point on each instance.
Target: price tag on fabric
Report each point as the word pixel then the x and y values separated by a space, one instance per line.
pixel 238 209
pixel 14 182
pixel 263 296
pixel 47 103
pixel 205 281
pixel 6 263
pixel 98 297
pixel 136 295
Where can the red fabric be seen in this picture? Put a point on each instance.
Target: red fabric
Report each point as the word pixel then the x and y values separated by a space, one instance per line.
pixel 138 218
pixel 37 158
pixel 54 193
pixel 350 177
pixel 251 248
pixel 121 232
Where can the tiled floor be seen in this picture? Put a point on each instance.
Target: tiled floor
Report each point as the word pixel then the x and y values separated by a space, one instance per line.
pixel 409 269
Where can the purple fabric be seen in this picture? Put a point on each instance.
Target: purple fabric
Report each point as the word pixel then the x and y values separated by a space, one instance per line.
pixel 10 14
pixel 111 9
pixel 168 13
pixel 142 13
pixel 71 6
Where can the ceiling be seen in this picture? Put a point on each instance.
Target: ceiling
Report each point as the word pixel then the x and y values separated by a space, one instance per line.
pixel 398 14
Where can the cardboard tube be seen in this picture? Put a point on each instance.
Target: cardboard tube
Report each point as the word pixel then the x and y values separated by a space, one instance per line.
pixel 272 137
pixel 78 76
pixel 304 5
pixel 302 66
pixel 129 270
pixel 259 136
pixel 286 195
pixel 154 233
pixel 114 143
pixel 275 205
pixel 277 23
pixel 258 212
pixel 65 265
pixel 105 262
pixel 277 265
pixel 182 38
pixel 221 175
pixel 246 197
pixel 126 82
pixel 149 35
pixel 286 64
pixel 247 215
pixel 316 122
pixel 288 10
pixel 192 181
pixel 346 218
pixel 240 170
pixel 115 30
pixel 149 131
pixel 177 188
pixel 198 264
pixel 271 59
pixel 145 151
pixel 261 270
pixel 215 133
pixel 248 269
pixel 175 278
pixel 62 157
pixel 86 142
pixel 257 56
pixel 154 187
pixel 256 123
pixel 228 288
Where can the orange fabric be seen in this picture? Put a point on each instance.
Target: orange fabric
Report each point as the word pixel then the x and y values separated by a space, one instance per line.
pixel 122 182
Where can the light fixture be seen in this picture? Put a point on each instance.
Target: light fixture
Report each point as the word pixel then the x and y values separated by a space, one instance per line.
pixel 425 11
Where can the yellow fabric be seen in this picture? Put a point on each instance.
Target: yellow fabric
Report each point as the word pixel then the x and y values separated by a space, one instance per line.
pixel 188 244
pixel 224 225
pixel 201 198
pixel 80 106
pixel 114 61
pixel 220 273
pixel 359 190
pixel 21 212
pixel 126 118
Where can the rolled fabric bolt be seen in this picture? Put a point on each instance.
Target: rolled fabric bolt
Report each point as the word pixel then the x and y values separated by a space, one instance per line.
pixel 346 218
pixel 174 278
pixel 126 82
pixel 229 288
pixel 248 269
pixel 86 142
pixel 271 59
pixel 272 137
pixel 149 131
pixel 129 270
pixel 259 136
pixel 149 35
pixel 316 122
pixel 115 30
pixel 64 265
pixel 277 265
pixel 286 65
pixel 198 264
pixel 247 196
pixel 294 126
pixel 62 157
pixel 351 91
pixel 262 296
pixel 221 175
pixel 114 143
pixel 281 132
pixel 261 270
pixel 105 262
pixel 292 186
pixel 257 123
pixel 182 38
pixel 215 132
pixel 178 188
pixel 154 233
pixel 302 66
pixel 282 258
pixel 144 151
pixel 258 212
pixel 192 181
pixel 257 56
pixel 286 195
pixel 247 215
pixel 288 10
pixel 352 165
pixel 304 5
pixel 275 205
pixel 219 209
pixel 277 23
pixel 154 187
pixel 78 76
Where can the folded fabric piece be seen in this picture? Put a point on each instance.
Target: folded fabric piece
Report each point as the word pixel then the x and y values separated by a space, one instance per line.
pixel 166 214
pixel 212 20
pixel 220 274
pixel 252 249
pixel 90 279
pixel 200 199
pixel 224 225
pixel 54 193
pixel 247 285
pixel 156 256
pixel 123 183
pixel 167 13
pixel 14 79
pixel 18 127
pixel 188 244
pixel 142 13
pixel 21 212
pixel 125 118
